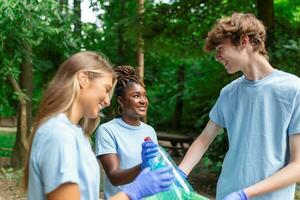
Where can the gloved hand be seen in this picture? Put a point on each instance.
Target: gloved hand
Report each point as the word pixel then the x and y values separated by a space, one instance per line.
pixel 181 173
pixel 149 150
pixel 149 182
pixel 240 195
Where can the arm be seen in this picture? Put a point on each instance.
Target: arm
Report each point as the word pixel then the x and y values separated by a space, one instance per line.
pixel 117 176
pixel 67 191
pixel 199 147
pixel 288 175
pixel 120 196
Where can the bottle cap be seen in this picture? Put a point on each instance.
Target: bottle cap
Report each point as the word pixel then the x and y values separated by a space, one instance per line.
pixel 147 139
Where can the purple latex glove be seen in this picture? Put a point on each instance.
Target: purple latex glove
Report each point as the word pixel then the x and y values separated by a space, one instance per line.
pixel 149 150
pixel 240 195
pixel 149 182
pixel 182 173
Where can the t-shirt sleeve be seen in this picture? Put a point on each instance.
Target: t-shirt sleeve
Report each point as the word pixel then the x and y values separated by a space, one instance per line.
pixel 58 162
pixel 216 114
pixel 294 125
pixel 105 143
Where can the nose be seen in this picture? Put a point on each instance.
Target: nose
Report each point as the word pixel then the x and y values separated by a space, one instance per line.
pixel 218 56
pixel 143 99
pixel 107 100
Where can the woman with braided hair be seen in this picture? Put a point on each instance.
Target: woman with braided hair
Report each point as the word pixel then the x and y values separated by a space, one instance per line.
pixel 119 141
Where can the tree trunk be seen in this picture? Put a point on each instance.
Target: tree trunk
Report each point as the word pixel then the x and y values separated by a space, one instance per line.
pixel 120 31
pixel 177 117
pixel 21 144
pixel 140 45
pixel 26 83
pixel 265 12
pixel 77 12
pixel 140 42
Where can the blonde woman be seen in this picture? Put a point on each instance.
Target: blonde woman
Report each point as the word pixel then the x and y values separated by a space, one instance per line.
pixel 61 163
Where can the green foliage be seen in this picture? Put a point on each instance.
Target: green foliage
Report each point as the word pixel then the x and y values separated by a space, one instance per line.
pixel 7 141
pixel 287 12
pixel 174 37
pixel 287 55
pixel 41 27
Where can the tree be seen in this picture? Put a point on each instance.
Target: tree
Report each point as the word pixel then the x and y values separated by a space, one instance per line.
pixel 140 41
pixel 265 12
pixel 18 43
pixel 77 16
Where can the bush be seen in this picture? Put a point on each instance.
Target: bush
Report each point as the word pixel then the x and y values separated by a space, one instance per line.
pixel 7 141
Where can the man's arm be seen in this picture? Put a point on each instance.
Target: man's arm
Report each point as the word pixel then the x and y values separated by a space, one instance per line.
pixel 117 176
pixel 288 175
pixel 199 147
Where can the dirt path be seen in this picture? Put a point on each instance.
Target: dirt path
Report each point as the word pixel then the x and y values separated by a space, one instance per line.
pixel 10 186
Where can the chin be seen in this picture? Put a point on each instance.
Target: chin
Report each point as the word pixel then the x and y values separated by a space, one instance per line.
pixel 93 116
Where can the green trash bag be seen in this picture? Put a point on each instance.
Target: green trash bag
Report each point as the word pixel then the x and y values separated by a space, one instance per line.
pixel 180 188
pixel 178 194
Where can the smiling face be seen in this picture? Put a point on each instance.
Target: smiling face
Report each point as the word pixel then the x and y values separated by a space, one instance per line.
pixel 232 57
pixel 134 102
pixel 95 95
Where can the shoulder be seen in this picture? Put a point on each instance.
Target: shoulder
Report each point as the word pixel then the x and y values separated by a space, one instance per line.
pixel 110 124
pixel 56 130
pixel 288 80
pixel 147 126
pixel 107 128
pixel 231 87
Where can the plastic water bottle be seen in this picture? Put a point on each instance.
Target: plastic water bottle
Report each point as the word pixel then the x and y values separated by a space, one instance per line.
pixel 180 188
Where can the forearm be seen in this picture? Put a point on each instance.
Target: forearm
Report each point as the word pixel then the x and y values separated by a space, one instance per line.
pixel 286 176
pixel 193 156
pixel 120 196
pixel 123 176
pixel 199 147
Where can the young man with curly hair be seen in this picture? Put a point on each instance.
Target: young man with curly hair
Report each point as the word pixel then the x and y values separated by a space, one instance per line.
pixel 261 113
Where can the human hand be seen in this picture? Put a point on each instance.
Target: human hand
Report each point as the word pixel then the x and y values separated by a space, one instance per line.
pixel 149 150
pixel 240 195
pixel 149 182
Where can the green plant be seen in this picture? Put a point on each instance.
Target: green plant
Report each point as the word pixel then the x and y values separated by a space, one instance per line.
pixel 7 141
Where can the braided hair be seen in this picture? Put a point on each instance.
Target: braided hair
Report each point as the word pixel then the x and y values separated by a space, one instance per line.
pixel 126 75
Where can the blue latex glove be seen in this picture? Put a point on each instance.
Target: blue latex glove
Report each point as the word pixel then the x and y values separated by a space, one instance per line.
pixel 149 182
pixel 240 195
pixel 182 173
pixel 149 150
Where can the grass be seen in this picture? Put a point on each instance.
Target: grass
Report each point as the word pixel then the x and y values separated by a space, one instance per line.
pixel 7 141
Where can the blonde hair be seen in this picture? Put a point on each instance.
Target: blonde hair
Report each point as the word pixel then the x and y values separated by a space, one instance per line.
pixel 236 26
pixel 63 90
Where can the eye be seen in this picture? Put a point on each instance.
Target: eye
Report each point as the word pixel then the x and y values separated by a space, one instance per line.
pixel 219 48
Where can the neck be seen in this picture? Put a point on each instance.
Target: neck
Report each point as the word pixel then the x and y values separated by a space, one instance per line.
pixel 133 121
pixel 258 68
pixel 73 114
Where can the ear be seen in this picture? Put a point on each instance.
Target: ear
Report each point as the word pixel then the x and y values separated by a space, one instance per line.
pixel 82 79
pixel 244 41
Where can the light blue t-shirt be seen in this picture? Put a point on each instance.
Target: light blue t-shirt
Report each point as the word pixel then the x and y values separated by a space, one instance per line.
pixel 118 137
pixel 60 154
pixel 259 117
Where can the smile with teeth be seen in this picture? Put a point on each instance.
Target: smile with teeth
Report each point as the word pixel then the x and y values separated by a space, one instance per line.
pixel 142 108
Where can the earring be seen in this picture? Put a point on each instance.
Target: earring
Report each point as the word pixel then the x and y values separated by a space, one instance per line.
pixel 120 110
